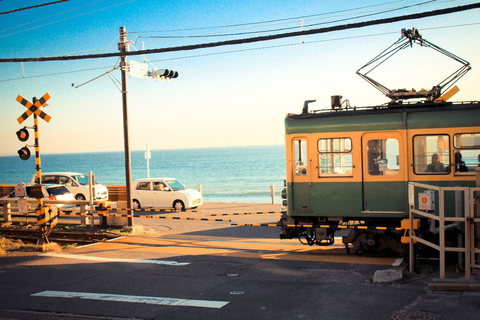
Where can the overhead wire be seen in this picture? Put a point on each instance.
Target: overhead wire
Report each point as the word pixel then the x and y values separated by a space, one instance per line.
pixel 256 39
pixel 47 17
pixel 79 15
pixel 224 33
pixel 307 42
pixel 242 50
pixel 266 21
pixel 33 7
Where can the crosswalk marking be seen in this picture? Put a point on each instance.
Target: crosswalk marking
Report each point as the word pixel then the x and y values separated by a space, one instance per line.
pixel 133 299
pixel 100 259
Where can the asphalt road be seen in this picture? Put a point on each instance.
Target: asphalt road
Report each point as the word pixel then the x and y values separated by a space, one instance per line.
pixel 179 269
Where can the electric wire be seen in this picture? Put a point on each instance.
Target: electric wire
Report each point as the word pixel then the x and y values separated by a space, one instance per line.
pixel 79 15
pixel 32 7
pixel 356 25
pixel 224 33
pixel 267 21
pixel 241 50
pixel 47 17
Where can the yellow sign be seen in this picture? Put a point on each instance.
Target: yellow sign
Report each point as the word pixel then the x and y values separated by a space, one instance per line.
pixel 34 108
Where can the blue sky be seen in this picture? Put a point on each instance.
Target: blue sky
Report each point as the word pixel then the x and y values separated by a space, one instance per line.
pixel 224 96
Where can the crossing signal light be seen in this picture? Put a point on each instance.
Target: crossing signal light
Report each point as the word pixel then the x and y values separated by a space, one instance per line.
pixel 163 74
pixel 24 153
pixel 23 134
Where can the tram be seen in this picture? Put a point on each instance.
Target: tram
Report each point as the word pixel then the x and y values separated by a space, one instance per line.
pixel 351 166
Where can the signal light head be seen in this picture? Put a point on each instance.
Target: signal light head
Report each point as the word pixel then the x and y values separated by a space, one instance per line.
pixel 24 153
pixel 23 134
pixel 163 74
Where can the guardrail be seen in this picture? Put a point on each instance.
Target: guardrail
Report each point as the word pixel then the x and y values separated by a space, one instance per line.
pixel 119 192
pixel 9 207
pixel 465 214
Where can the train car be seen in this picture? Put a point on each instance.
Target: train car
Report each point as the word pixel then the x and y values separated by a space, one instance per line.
pixel 351 166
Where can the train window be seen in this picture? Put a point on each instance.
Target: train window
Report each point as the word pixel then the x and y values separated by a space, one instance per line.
pixel 335 158
pixel 300 157
pixel 466 151
pixel 466 141
pixel 431 154
pixel 383 157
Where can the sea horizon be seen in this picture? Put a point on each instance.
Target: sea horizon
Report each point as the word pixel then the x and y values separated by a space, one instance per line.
pixel 226 174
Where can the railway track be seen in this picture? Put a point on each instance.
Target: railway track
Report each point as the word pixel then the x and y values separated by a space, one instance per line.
pixel 60 237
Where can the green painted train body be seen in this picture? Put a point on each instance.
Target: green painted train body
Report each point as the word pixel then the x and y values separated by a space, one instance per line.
pixel 355 164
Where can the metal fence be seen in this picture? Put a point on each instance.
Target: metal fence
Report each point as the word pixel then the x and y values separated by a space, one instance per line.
pixel 466 219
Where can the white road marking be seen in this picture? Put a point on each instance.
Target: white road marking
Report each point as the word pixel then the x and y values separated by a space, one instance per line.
pixel 133 299
pixel 100 259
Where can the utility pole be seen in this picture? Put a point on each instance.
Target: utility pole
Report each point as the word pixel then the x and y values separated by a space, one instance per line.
pixel 123 47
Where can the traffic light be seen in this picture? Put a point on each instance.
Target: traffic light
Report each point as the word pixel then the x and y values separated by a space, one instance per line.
pixel 24 153
pixel 23 134
pixel 163 74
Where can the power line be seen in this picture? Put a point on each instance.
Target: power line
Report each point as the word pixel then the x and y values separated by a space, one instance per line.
pixel 241 50
pixel 79 15
pixel 256 39
pixel 306 43
pixel 267 21
pixel 47 17
pixel 224 34
pixel 32 7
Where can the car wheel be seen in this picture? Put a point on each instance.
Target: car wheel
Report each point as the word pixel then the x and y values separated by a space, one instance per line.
pixel 136 204
pixel 178 205
pixel 80 197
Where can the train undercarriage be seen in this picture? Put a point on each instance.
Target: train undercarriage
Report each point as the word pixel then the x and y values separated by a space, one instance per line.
pixel 375 238
pixel 363 237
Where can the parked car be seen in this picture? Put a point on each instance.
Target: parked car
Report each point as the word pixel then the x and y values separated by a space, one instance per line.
pixel 77 183
pixel 164 193
pixel 55 192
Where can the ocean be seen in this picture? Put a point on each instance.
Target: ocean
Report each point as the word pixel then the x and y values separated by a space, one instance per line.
pixel 230 174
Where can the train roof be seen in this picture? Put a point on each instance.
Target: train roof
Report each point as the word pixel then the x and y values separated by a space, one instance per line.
pixel 386 117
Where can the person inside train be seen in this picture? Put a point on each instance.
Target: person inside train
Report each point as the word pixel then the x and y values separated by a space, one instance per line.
pixel 373 157
pixel 459 163
pixel 435 165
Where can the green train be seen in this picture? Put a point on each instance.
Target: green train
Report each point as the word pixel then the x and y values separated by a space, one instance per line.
pixel 349 166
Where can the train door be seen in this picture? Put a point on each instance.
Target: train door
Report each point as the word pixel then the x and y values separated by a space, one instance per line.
pixel 300 174
pixel 384 173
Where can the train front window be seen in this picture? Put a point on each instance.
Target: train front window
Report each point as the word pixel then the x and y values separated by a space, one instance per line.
pixel 467 152
pixel 300 157
pixel 431 154
pixel 335 158
pixel 383 157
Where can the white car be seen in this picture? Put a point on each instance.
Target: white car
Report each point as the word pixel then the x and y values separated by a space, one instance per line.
pixel 164 193
pixel 77 183
pixel 60 193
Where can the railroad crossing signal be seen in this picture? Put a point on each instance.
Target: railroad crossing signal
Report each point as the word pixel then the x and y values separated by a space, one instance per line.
pixel 46 215
pixel 34 108
pixel 24 153
pixel 23 134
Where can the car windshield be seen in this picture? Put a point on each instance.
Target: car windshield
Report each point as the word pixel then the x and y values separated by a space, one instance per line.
pixel 82 179
pixel 175 185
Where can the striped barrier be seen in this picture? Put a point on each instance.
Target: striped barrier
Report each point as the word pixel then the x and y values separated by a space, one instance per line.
pixel 47 215
pixel 148 210
pixel 361 227
pixel 243 213
pixel 139 216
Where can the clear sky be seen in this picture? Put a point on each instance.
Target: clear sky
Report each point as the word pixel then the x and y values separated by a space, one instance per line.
pixel 225 96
